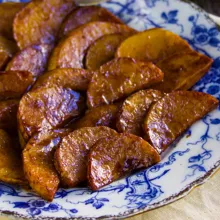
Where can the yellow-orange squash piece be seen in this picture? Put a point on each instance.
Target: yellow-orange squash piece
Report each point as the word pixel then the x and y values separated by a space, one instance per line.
pixel 152 45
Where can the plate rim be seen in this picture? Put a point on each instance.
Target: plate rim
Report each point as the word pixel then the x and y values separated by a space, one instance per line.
pixel 175 197
pixel 133 212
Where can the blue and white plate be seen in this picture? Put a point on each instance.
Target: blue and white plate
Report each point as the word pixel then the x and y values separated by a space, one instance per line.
pixel 187 164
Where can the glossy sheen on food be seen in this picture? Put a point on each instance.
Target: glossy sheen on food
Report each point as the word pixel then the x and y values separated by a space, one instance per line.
pixel 47 108
pixel 11 168
pixel 103 50
pixel 174 114
pixel 13 84
pixel 119 78
pixel 7 49
pixel 39 21
pixel 70 52
pixel 83 15
pixel 39 165
pixel 182 71
pixel 71 155
pixel 152 45
pixel 113 157
pixel 76 79
pixel 8 114
pixel 134 109
pixel 8 11
pixel 33 59
pixel 104 115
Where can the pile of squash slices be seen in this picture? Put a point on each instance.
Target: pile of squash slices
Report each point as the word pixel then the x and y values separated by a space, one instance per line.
pixel 85 99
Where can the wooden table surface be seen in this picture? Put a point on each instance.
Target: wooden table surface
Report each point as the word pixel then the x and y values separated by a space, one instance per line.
pixel 212 6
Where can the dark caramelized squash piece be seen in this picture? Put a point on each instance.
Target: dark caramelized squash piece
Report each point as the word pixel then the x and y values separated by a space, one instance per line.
pixel 11 168
pixel 113 157
pixel 47 108
pixel 103 50
pixel 83 15
pixel 71 155
pixel 8 10
pixel 104 115
pixel 13 84
pixel 119 78
pixel 8 114
pixel 70 52
pixel 182 71
pixel 76 79
pixel 7 49
pixel 38 162
pixel 174 114
pixel 33 59
pixel 39 21
pixel 134 109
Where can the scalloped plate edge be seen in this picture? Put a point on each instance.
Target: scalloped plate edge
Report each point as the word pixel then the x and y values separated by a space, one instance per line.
pixel 133 212
pixel 177 196
pixel 201 10
pixel 215 18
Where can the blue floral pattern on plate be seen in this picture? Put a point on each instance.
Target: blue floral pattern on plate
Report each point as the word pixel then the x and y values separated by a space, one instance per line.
pixel 187 163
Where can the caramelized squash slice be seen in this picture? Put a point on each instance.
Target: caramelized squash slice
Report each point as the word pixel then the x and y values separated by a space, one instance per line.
pixel 8 10
pixel 39 21
pixel 119 78
pixel 103 50
pixel 134 109
pixel 70 52
pixel 113 157
pixel 7 49
pixel 76 79
pixel 33 59
pixel 3 59
pixel 38 162
pixel 8 114
pixel 152 45
pixel 83 15
pixel 11 168
pixel 182 71
pixel 47 108
pixel 174 114
pixel 104 115
pixel 13 84
pixel 71 156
